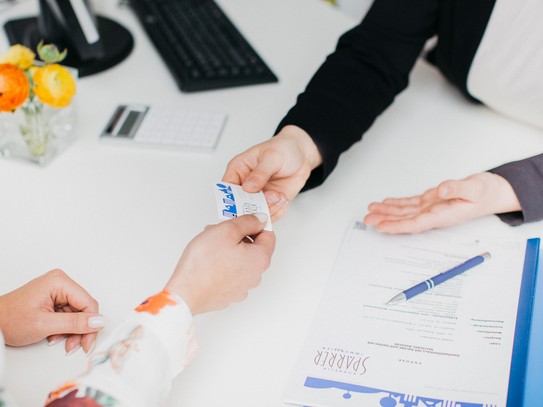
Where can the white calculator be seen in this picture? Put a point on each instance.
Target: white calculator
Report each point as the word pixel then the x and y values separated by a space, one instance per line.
pixel 165 126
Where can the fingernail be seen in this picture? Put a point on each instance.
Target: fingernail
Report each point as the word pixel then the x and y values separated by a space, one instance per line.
pixel 70 353
pixel 55 341
pixel 271 199
pixel 250 183
pixel 281 202
pixel 284 205
pixel 262 217
pixel 91 349
pixel 446 190
pixel 98 321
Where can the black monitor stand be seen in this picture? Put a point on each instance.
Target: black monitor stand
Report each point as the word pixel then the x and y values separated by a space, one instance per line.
pixel 117 43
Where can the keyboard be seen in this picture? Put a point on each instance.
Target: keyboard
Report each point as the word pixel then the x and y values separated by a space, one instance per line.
pixel 200 45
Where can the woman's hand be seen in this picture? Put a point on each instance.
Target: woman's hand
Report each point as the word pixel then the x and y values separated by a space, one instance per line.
pixel 52 306
pixel 220 265
pixel 280 167
pixel 450 203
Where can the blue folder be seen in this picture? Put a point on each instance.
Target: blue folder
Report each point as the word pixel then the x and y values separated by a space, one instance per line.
pixel 533 386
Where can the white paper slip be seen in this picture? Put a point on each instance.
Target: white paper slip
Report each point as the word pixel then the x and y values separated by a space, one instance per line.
pixel 233 201
pixel 450 346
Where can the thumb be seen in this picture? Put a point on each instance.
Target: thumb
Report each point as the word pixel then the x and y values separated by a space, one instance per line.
pixel 71 323
pixel 246 225
pixel 268 165
pixel 464 189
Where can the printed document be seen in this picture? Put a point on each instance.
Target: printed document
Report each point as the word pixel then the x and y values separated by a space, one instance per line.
pixel 450 346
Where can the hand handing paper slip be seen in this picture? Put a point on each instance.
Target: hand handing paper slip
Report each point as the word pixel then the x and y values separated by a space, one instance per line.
pixel 233 201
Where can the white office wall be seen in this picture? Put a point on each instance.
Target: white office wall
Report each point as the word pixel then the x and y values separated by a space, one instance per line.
pixel 354 8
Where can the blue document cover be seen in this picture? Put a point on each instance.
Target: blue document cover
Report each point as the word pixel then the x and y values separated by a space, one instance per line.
pixel 525 387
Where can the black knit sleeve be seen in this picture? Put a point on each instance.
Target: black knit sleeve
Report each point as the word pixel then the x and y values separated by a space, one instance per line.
pixel 360 79
pixel 526 178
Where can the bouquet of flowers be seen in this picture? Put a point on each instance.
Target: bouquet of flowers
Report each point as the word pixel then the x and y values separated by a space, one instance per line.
pixel 29 84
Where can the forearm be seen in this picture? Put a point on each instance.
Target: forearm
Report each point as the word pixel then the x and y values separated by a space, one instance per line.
pixel 361 78
pixel 135 365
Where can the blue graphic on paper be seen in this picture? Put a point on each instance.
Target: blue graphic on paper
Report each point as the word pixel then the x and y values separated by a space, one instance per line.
pixel 390 398
pixel 229 208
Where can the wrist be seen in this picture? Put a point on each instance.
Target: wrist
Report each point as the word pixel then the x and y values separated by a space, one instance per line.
pixel 186 294
pixel 505 197
pixel 304 143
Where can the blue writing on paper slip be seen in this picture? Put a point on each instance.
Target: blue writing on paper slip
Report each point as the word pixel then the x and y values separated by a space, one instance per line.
pixel 386 398
pixel 229 203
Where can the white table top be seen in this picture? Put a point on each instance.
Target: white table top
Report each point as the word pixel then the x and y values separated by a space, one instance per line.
pixel 116 219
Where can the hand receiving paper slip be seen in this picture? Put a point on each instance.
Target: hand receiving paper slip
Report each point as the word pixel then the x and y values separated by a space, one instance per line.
pixel 233 201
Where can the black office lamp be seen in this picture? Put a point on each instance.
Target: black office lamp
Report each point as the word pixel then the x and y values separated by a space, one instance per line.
pixel 94 43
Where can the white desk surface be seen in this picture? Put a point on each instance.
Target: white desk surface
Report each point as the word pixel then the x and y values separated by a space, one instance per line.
pixel 116 219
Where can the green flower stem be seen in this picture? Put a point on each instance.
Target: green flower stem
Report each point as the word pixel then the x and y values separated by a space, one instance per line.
pixel 36 131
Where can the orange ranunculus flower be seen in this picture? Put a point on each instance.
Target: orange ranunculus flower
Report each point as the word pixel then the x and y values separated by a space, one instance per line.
pixel 14 87
pixel 54 85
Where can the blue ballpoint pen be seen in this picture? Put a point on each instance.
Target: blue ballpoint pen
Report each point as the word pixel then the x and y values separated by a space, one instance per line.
pixel 440 278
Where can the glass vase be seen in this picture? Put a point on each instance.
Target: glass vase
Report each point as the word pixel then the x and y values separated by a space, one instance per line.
pixel 37 132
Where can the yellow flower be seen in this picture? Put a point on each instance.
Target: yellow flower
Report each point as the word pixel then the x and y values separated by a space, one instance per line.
pixel 18 55
pixel 54 85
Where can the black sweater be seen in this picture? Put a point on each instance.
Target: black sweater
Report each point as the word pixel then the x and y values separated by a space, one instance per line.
pixel 371 66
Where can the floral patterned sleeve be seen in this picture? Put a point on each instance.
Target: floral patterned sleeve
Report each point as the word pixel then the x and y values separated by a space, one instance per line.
pixel 5 399
pixel 135 365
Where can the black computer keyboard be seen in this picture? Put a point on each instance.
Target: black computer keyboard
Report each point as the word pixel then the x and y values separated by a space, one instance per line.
pixel 200 45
